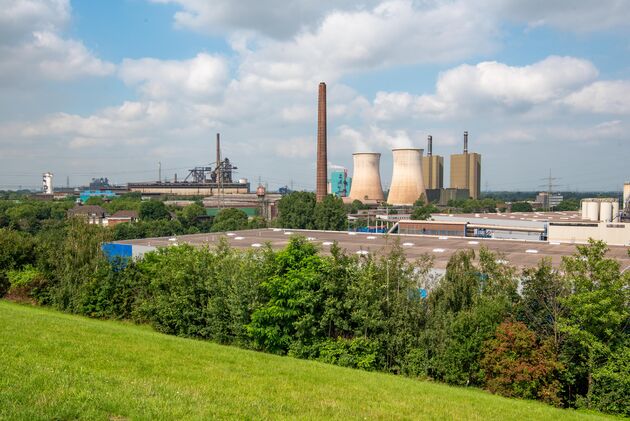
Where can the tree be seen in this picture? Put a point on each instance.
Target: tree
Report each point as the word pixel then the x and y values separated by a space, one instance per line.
pixel 597 320
pixel 568 205
pixel 522 207
pixel 422 210
pixel 229 219
pixel 16 250
pixel 330 214
pixel 190 214
pixel 153 210
pixel 297 210
pixel 517 365
pixel 541 306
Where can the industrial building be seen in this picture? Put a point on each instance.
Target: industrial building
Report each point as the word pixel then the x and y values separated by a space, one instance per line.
pixel 366 178
pixel 200 181
pixel 518 253
pixel 340 184
pixel 407 182
pixel 466 171
pixel 546 200
pixel 432 168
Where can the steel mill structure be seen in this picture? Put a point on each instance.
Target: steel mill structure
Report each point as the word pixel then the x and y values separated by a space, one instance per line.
pixel 322 154
pixel 366 177
pixel 466 171
pixel 407 181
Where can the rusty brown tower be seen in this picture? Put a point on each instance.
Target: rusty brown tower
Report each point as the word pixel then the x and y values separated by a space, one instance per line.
pixel 322 155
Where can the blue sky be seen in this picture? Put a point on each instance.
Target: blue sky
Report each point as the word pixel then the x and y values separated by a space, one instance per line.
pixel 111 88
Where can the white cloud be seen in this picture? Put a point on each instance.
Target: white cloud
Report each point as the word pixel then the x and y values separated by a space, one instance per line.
pixel 608 97
pixel 32 47
pixel 199 78
pixel 394 32
pixel 275 18
pixel 490 86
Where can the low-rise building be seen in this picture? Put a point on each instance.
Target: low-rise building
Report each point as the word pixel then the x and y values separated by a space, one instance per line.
pixel 122 216
pixel 90 213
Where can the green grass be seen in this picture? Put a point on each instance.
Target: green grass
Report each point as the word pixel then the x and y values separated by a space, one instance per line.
pixel 58 366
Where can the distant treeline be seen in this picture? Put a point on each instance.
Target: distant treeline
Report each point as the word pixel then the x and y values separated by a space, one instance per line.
pixel 559 336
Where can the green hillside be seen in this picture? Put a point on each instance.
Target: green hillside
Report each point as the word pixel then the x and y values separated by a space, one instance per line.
pixel 57 366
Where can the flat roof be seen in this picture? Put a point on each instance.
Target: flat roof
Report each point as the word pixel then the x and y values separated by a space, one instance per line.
pixel 518 253
pixel 555 216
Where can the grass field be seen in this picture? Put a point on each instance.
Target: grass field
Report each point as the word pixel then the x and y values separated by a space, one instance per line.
pixel 57 366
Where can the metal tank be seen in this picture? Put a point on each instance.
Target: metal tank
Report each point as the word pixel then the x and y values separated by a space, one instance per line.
pixel 593 210
pixel 584 205
pixel 366 177
pixel 605 211
pixel 615 211
pixel 407 183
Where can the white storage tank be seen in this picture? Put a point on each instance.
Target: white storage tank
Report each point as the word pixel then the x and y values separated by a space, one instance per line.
pixel 615 211
pixel 593 210
pixel 584 204
pixel 605 211
pixel 242 181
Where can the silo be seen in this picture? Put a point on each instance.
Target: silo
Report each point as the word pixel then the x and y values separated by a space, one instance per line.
pixel 584 205
pixel 626 196
pixel 407 183
pixel 366 178
pixel 615 211
pixel 605 211
pixel 593 210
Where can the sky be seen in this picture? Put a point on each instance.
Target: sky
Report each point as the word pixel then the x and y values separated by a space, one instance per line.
pixel 112 88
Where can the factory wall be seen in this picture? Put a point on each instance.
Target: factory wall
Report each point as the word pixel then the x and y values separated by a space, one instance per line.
pixel 199 190
pixel 611 233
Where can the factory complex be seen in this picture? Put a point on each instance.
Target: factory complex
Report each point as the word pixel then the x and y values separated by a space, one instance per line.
pixel 414 177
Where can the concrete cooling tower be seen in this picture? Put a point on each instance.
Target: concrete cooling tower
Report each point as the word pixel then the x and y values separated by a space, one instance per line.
pixel 366 179
pixel 407 183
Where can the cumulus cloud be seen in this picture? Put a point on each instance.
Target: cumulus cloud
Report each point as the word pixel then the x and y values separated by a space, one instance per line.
pixel 392 33
pixel 198 78
pixel 607 97
pixel 32 47
pixel 491 86
pixel 275 18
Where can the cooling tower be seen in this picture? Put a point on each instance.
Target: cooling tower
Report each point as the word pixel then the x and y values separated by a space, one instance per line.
pixel 407 183
pixel 366 178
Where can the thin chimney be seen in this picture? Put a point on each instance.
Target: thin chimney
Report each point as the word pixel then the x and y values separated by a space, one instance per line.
pixel 466 142
pixel 430 146
pixel 322 155
pixel 218 167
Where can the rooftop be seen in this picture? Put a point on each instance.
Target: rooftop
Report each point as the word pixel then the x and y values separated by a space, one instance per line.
pixel 518 253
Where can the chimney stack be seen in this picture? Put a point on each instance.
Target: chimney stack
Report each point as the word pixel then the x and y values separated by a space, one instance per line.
pixel 466 142
pixel 218 170
pixel 430 146
pixel 322 155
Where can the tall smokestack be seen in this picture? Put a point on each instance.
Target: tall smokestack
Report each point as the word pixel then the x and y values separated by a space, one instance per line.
pixel 322 155
pixel 466 142
pixel 430 146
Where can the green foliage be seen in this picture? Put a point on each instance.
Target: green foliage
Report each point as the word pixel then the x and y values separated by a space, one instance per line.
pixel 330 214
pixel 522 207
pixel 473 205
pixel 355 353
pixel 95 200
pixel 16 251
pixel 153 210
pixel 230 219
pixel 568 205
pixel 297 210
pixel 597 319
pixel 422 211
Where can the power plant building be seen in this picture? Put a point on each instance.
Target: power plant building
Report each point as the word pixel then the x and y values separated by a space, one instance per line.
pixel 366 177
pixel 407 181
pixel 432 168
pixel 466 171
pixel 340 184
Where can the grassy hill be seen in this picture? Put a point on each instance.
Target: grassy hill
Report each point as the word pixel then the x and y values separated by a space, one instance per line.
pixel 57 366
